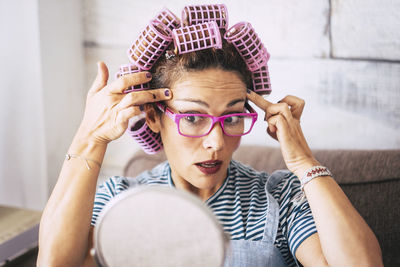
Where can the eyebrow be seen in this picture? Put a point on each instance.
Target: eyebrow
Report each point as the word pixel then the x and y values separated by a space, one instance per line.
pixel 203 103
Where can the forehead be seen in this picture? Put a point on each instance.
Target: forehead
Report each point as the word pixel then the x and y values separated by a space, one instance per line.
pixel 214 86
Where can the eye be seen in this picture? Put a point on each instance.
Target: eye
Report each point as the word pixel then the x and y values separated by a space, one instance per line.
pixel 232 120
pixel 191 119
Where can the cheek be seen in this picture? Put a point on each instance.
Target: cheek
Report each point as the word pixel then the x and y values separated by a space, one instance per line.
pixel 232 143
pixel 173 141
pixel 237 143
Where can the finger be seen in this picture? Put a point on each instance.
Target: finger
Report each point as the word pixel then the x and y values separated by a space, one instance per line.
pixel 122 83
pixel 296 105
pixel 258 100
pixel 275 124
pixel 142 97
pixel 272 128
pixel 125 114
pixel 101 78
pixel 279 108
pixel 272 134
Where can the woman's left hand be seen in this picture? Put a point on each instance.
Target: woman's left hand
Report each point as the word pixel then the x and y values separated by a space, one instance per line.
pixel 283 121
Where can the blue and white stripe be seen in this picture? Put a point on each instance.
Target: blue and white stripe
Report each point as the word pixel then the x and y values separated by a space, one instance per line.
pixel 240 205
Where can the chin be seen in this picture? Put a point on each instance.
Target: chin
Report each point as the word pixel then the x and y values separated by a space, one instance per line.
pixel 208 181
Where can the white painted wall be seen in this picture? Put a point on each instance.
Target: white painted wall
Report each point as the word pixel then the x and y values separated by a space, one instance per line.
pixel 41 95
pixel 63 76
pixel 366 29
pixel 23 175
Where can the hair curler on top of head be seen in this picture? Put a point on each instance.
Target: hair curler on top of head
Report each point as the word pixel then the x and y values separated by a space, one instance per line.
pixel 168 18
pixel 150 45
pixel 197 14
pixel 197 37
pixel 248 44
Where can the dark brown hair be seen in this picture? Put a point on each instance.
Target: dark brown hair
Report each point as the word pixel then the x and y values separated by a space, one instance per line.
pixel 165 71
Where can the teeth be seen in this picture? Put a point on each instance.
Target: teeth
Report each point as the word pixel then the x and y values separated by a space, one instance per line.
pixel 209 165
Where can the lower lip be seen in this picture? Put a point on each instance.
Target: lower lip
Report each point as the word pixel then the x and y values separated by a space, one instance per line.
pixel 209 170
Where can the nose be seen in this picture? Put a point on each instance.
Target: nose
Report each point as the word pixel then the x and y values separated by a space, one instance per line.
pixel 215 139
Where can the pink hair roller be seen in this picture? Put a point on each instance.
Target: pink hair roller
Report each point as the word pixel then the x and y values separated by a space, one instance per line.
pixel 168 18
pixel 197 37
pixel 128 69
pixel 148 140
pixel 249 46
pixel 197 14
pixel 150 45
pixel 261 81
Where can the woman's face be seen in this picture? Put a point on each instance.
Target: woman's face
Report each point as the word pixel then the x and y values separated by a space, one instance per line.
pixel 200 164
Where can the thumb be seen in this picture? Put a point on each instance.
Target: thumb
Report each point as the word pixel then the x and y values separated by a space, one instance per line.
pixel 101 78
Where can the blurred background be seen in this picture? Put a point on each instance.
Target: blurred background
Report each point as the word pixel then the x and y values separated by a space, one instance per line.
pixel 341 57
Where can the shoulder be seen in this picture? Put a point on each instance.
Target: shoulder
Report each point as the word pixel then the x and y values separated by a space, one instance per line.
pixel 283 182
pixel 113 186
pixel 157 175
pixel 285 188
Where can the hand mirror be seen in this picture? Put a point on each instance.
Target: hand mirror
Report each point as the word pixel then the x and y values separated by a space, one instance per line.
pixel 158 226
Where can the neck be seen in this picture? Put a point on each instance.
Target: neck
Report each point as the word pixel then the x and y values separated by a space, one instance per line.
pixel 203 193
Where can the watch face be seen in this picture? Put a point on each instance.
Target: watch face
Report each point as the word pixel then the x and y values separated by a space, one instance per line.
pixel 158 226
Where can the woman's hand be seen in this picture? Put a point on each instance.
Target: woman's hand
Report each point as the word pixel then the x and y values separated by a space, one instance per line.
pixel 108 108
pixel 284 125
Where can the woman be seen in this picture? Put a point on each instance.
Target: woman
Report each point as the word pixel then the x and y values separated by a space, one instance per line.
pixel 323 229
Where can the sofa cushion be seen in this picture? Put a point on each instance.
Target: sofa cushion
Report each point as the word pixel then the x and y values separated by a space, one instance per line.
pixel 347 166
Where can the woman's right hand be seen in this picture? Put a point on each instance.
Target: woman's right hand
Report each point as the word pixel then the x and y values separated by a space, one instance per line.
pixel 108 108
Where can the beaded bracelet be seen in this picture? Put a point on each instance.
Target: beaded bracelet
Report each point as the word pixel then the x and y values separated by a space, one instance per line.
pixel 314 172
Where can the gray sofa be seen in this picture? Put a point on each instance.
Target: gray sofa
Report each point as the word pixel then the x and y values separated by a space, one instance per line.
pixel 371 180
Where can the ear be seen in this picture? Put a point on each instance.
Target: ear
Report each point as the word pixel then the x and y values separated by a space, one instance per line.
pixel 153 119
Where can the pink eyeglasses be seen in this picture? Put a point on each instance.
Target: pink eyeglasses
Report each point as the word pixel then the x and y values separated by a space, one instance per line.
pixel 198 125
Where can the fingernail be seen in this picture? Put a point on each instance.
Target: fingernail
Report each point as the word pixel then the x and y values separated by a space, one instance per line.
pixel 166 92
pixel 148 75
pixel 248 91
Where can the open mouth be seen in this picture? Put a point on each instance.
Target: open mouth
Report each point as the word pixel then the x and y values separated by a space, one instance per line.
pixel 209 166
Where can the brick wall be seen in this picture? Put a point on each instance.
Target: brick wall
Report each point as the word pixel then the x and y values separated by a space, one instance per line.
pixel 341 56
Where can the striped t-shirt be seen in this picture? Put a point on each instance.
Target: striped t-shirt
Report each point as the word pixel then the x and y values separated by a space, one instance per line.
pixel 240 204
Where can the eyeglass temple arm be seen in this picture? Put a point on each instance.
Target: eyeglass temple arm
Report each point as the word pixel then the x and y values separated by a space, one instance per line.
pixel 165 110
pixel 161 107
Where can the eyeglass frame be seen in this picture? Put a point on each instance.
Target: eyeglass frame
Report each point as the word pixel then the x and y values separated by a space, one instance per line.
pixel 177 116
